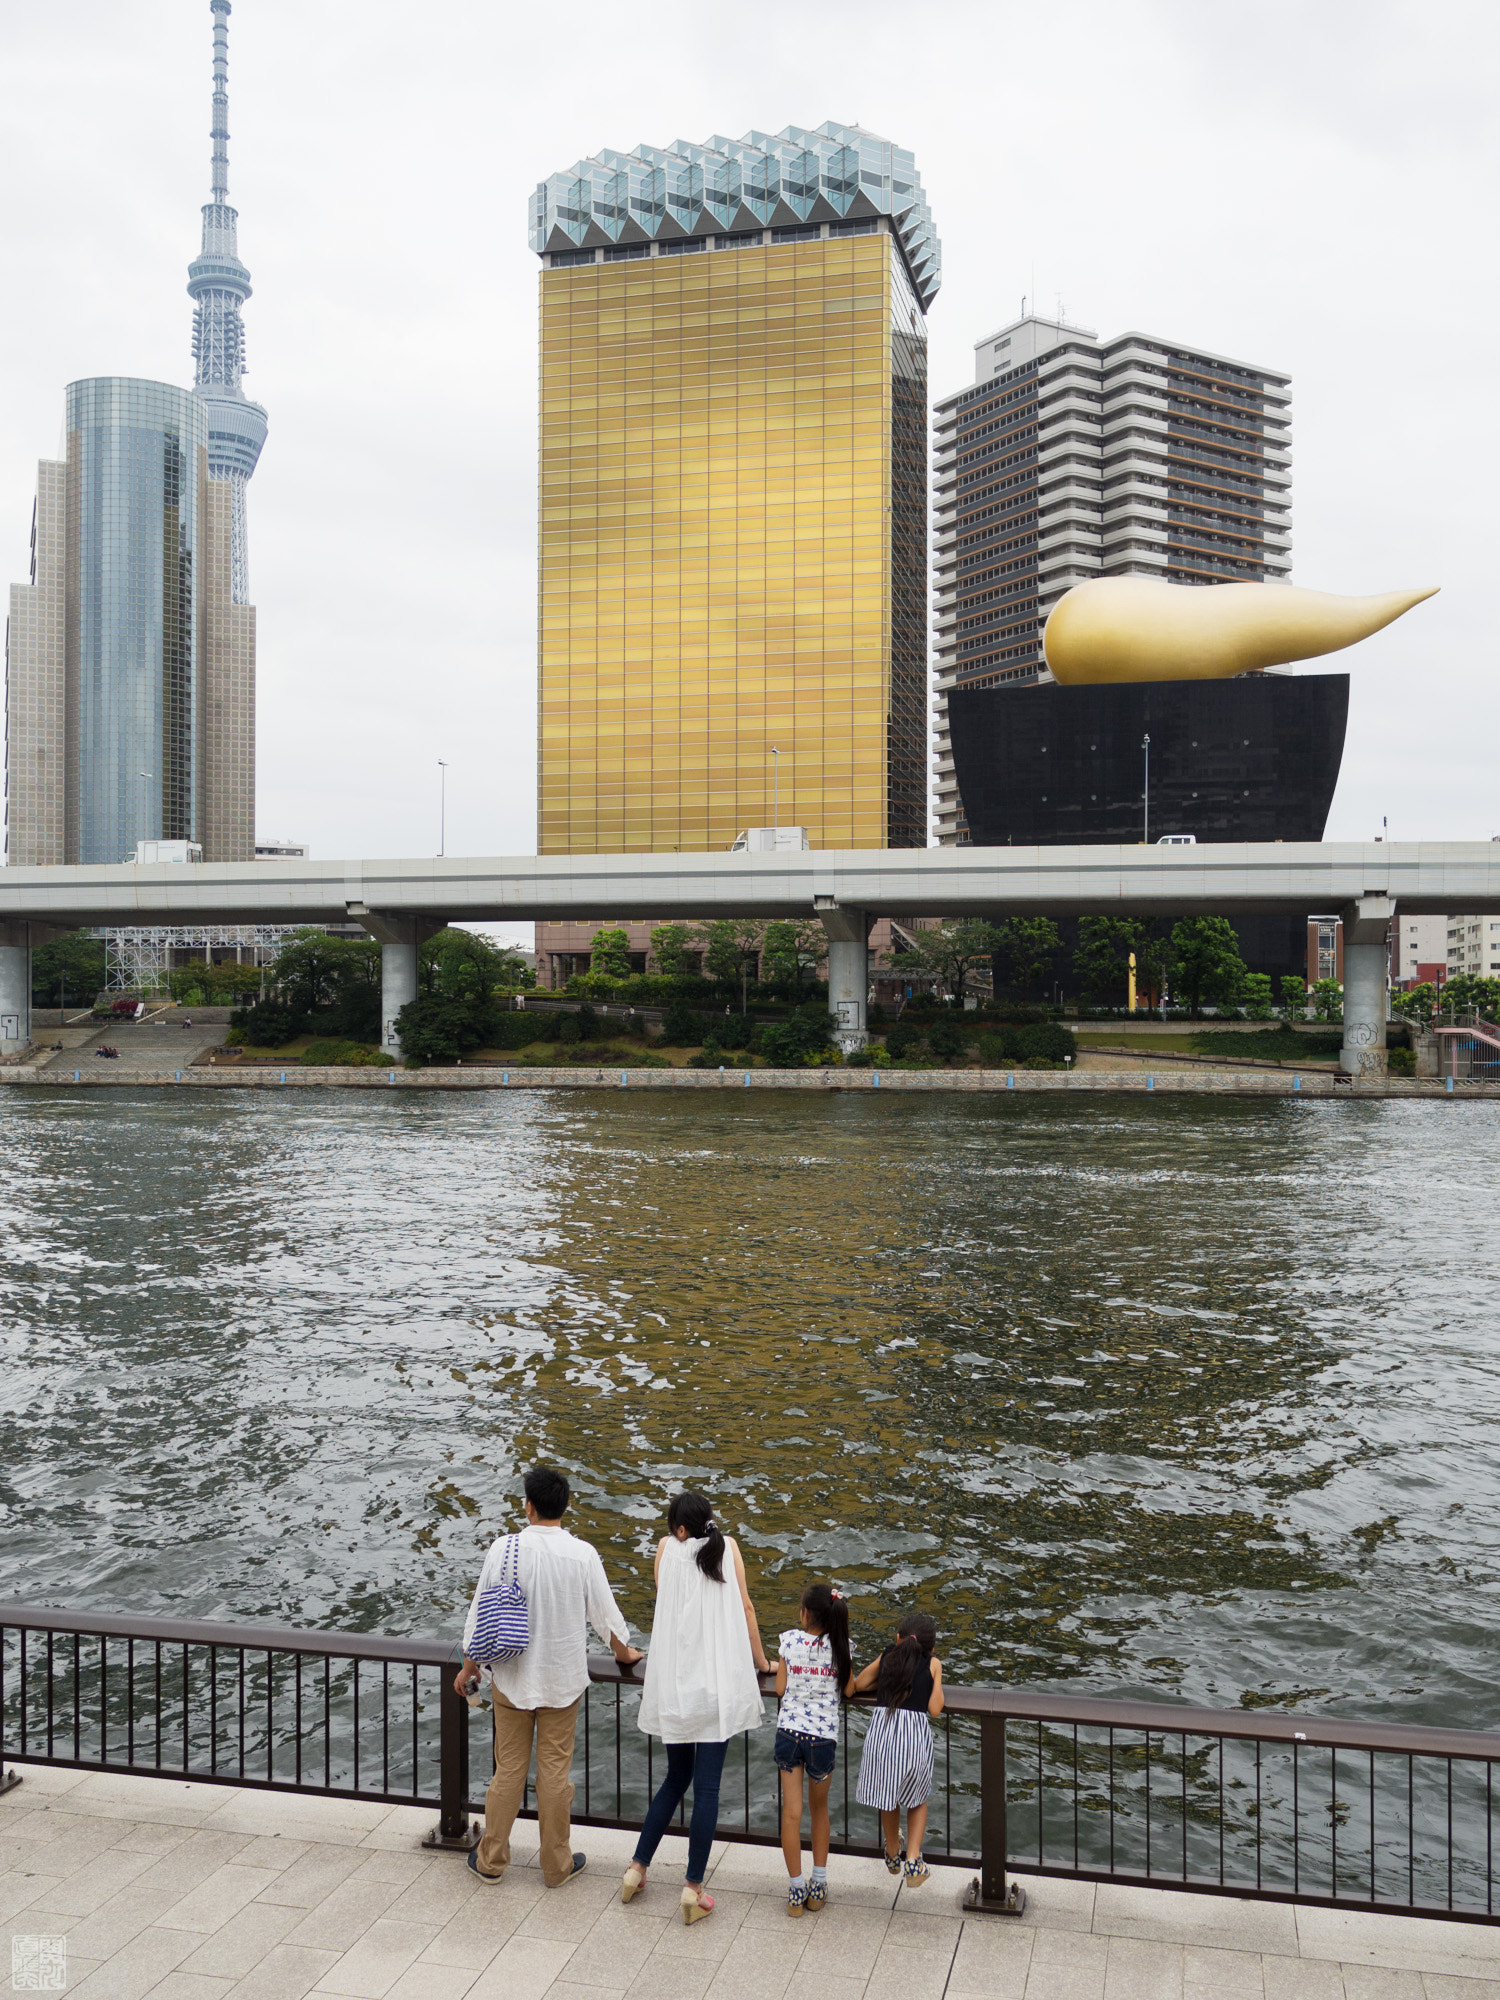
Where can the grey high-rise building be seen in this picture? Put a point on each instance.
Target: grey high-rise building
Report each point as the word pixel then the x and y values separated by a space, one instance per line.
pixel 130 653
pixel 1072 457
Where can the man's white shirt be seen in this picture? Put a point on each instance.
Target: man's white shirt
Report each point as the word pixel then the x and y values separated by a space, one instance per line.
pixel 566 1590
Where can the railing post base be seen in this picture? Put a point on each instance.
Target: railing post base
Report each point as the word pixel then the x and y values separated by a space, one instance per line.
pixel 976 1903
pixel 453 1843
pixel 8 1780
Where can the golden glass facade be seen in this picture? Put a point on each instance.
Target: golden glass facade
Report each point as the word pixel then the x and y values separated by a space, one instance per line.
pixel 733 548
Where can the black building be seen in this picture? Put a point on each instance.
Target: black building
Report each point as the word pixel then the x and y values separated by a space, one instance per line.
pixel 1254 758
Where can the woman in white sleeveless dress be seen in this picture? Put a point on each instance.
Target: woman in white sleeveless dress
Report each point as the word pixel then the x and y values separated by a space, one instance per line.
pixel 701 1686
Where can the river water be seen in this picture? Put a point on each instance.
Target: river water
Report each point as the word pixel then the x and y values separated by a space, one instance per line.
pixel 1195 1399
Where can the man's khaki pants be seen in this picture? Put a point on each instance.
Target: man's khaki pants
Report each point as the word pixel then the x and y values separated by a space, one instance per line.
pixel 554 1786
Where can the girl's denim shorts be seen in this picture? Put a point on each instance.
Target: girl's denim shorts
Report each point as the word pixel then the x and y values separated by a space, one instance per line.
pixel 793 1750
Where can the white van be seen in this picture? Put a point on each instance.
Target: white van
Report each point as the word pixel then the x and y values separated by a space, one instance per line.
pixel 1178 840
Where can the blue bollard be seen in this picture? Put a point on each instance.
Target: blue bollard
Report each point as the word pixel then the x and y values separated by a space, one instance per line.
pixel 1010 1081
pixel 1450 1083
pixel 75 1076
pixel 1296 1083
pixel 1150 1083
pixel 505 1076
pixel 875 1079
pixel 283 1076
pixel 179 1076
pixel 747 1079
pixel 624 1079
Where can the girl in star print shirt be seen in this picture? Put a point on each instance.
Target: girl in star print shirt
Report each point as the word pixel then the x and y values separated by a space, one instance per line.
pixel 813 1671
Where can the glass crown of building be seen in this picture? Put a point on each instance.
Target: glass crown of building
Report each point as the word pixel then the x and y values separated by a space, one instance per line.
pixel 838 173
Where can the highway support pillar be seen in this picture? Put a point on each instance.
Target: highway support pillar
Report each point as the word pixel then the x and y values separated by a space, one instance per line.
pixel 400 939
pixel 1367 924
pixel 848 971
pixel 16 940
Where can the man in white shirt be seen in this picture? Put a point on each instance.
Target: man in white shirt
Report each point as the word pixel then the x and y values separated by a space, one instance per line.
pixel 565 1588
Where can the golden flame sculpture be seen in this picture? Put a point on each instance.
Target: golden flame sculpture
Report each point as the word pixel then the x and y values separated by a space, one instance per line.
pixel 1133 628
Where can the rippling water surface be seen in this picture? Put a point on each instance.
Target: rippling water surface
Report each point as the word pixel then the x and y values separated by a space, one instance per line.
pixel 1198 1398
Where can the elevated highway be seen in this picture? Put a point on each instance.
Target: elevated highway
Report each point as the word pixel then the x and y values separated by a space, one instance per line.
pixel 400 902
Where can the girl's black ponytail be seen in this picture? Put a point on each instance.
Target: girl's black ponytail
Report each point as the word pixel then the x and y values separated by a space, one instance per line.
pixel 916 1637
pixel 692 1512
pixel 830 1613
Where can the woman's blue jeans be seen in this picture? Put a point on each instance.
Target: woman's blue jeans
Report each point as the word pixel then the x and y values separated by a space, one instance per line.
pixel 700 1765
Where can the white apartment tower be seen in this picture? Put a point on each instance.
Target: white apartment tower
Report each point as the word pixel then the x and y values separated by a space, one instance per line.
pixel 1073 457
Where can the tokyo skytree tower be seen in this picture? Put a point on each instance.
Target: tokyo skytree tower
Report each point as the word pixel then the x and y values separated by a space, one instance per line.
pixel 220 284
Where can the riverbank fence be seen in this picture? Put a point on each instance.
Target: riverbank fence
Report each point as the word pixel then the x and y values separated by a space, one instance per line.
pixel 1262 1803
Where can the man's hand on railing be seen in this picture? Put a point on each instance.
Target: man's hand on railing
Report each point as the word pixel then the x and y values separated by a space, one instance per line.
pixel 628 1656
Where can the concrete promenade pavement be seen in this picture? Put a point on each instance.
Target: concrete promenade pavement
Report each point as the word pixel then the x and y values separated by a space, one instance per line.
pixel 170 1891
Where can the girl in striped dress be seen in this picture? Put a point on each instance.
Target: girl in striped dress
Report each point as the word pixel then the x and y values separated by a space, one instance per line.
pixel 895 1770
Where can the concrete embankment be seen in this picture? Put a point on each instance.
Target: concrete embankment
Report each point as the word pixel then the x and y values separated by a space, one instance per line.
pixel 93 1072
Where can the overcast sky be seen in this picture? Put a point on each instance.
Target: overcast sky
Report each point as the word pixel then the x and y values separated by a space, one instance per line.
pixel 1310 186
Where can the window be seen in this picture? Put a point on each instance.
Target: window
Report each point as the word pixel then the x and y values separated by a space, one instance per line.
pixel 621 251
pixel 562 257
pixel 681 248
pixel 807 234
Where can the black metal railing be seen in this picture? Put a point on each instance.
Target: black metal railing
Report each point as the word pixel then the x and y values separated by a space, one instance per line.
pixel 1275 1805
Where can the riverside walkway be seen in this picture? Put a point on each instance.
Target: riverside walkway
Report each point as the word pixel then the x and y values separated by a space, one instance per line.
pixel 175 1891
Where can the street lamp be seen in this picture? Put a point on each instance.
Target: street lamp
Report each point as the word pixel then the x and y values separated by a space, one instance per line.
pixel 776 787
pixel 442 808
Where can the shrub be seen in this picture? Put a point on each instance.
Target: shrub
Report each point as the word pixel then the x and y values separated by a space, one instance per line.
pixel 1041 1062
pixel 872 1056
pixel 514 1031
pixel 340 1054
pixel 876 1014
pixel 901 1039
pixel 267 1024
pixel 588 1023
pixel 236 1038
pixel 569 1031
pixel 435 1028
pixel 1402 1062
pixel 947 1040
pixel 681 1028
pixel 735 1032
pixel 1049 1039
pixel 794 1043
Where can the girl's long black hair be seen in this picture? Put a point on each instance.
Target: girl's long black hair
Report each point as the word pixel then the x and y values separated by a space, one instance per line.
pixel 916 1636
pixel 830 1613
pixel 692 1512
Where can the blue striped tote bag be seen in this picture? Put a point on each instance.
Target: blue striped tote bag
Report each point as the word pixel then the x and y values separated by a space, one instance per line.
pixel 502 1630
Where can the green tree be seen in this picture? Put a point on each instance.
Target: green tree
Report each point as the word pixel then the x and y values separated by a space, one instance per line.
pixel 729 947
pixel 70 968
pixel 790 949
pixel 951 952
pixel 1293 996
pixel 1328 999
pixel 1258 996
pixel 1208 962
pixel 1417 1004
pixel 214 985
pixel 669 949
pixel 462 965
pixel 1469 990
pixel 1101 963
pixel 1029 947
pixel 332 983
pixel 610 956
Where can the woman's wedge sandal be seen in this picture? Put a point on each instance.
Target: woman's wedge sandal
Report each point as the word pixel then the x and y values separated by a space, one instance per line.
pixel 817 1896
pixel 796 1899
pixel 695 1905
pixel 894 1863
pixel 632 1881
pixel 916 1872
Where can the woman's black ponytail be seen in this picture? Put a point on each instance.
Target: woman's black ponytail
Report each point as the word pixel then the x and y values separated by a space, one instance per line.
pixel 830 1613
pixel 693 1513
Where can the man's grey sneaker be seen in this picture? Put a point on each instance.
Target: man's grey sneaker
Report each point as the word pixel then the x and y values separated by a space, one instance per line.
pixel 474 1865
pixel 580 1862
